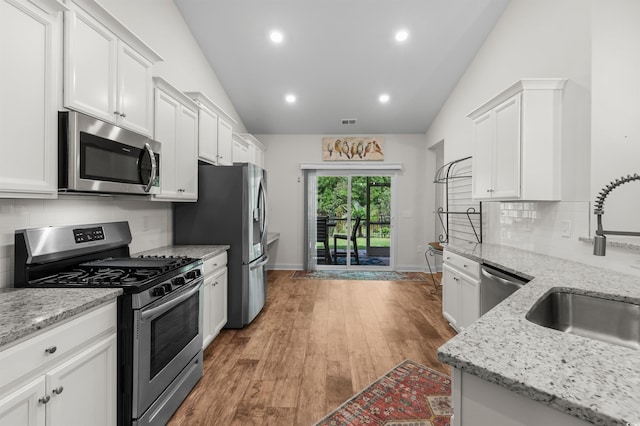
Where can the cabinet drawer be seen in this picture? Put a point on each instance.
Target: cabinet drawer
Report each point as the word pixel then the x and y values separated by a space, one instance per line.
pixel 214 263
pixel 38 352
pixel 462 264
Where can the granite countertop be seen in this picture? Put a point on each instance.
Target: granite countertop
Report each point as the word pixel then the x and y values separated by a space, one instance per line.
pixel 26 310
pixel 589 379
pixel 203 252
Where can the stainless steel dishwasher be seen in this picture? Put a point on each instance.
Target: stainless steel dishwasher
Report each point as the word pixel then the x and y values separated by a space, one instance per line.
pixel 496 285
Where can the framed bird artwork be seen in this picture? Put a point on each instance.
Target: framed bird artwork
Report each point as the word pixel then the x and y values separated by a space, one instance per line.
pixel 353 148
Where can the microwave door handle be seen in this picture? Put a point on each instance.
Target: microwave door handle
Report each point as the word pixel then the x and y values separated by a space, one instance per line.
pixel 154 167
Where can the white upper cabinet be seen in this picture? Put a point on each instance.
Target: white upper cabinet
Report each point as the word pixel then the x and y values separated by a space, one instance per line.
pixel 215 131
pixel 207 135
pixel 108 71
pixel 256 150
pixel 30 67
pixel 518 142
pixel 240 149
pixel 225 142
pixel 176 128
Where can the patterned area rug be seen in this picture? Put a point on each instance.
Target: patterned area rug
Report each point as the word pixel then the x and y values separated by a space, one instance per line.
pixel 360 275
pixel 410 394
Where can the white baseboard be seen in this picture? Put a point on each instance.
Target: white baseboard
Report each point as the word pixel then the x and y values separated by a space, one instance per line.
pixel 400 268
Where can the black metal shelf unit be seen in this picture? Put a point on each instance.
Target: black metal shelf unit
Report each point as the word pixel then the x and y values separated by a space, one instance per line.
pixel 458 171
pixel 456 176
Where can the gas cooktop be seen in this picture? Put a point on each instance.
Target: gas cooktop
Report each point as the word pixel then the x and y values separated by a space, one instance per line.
pixel 116 272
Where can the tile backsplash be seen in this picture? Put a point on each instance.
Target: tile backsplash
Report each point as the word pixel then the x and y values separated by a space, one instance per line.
pixel 555 229
pixel 150 222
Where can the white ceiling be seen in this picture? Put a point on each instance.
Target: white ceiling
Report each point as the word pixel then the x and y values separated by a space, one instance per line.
pixel 337 57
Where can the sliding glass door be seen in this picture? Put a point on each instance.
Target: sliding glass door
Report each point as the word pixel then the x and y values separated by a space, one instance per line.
pixel 350 221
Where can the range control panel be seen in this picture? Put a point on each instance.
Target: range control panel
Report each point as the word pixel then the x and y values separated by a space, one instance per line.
pixel 84 235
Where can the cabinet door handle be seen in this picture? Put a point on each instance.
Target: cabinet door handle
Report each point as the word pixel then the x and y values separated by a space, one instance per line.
pixel 456 279
pixel 51 350
pixel 464 266
pixel 215 284
pixel 57 390
pixel 123 115
pixel 44 399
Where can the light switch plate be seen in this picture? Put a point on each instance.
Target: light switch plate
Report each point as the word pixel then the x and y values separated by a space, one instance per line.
pixel 565 229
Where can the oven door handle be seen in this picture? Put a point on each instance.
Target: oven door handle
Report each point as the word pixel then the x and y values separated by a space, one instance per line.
pixel 145 315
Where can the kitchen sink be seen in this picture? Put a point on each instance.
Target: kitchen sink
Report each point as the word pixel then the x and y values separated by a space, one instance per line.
pixel 595 317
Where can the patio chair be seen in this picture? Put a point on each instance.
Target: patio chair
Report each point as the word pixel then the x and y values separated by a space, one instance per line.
pixel 354 242
pixel 322 236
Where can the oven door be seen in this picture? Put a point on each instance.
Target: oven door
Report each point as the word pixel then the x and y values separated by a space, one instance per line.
pixel 169 336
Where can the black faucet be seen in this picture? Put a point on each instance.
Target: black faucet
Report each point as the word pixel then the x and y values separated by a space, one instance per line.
pixel 600 240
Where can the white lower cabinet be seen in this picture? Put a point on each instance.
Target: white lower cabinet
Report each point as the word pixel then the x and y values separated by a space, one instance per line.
pixel 460 290
pixel 22 406
pixel 478 402
pixel 215 297
pixel 66 375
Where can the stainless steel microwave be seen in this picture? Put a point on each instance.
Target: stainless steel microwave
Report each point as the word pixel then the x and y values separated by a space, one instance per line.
pixel 96 156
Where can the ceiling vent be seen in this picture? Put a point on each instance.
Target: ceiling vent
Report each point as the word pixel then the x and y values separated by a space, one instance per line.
pixel 348 121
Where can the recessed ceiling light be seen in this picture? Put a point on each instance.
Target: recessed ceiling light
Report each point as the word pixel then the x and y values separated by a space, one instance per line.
pixel 402 35
pixel 384 98
pixel 290 98
pixel 276 36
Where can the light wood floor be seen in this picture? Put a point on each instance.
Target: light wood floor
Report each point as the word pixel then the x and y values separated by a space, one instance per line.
pixel 314 345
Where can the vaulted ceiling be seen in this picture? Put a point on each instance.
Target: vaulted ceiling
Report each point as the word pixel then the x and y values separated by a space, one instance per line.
pixel 337 57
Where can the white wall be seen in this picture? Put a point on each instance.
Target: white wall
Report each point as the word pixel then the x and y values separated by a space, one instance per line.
pixel 542 38
pixel 596 45
pixel 616 110
pixel 286 194
pixel 160 24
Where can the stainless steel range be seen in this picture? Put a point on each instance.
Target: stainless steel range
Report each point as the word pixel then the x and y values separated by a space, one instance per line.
pixel 160 313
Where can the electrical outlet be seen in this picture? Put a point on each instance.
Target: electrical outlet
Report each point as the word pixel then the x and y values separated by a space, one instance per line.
pixel 565 228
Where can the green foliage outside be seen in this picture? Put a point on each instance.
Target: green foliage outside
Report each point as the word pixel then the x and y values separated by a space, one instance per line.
pixel 332 202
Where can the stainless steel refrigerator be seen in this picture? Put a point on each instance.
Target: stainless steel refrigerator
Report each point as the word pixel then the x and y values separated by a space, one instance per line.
pixel 231 209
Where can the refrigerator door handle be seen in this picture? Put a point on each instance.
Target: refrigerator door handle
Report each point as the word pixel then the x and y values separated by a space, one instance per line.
pixel 259 264
pixel 263 206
